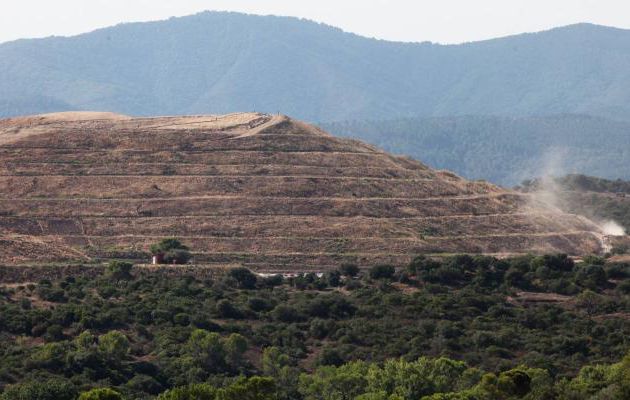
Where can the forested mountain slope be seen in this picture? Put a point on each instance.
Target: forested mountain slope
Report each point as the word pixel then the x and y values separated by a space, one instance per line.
pixel 223 62
pixel 504 150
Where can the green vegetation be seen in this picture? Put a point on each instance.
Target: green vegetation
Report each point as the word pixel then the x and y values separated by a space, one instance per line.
pixel 457 328
pixel 503 150
pixel 170 251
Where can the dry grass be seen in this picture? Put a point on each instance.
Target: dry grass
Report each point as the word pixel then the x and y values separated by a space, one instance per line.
pixel 261 190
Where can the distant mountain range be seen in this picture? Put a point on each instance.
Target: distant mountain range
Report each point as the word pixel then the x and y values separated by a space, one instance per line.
pixel 216 62
pixel 504 150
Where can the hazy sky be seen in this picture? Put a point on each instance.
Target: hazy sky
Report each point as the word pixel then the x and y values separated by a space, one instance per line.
pixel 444 21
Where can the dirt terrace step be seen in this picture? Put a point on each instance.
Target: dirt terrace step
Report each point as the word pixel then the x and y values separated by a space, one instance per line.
pixel 165 186
pixel 233 205
pixel 182 169
pixel 296 226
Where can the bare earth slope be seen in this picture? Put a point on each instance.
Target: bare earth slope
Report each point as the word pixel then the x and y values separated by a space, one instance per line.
pixel 263 190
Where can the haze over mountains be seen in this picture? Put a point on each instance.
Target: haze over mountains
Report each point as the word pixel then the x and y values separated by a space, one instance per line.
pixel 224 62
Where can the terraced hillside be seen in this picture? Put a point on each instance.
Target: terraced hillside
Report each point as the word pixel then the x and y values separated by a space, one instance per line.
pixel 262 190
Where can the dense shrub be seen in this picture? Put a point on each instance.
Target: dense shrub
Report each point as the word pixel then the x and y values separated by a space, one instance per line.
pixel 244 277
pixel 101 394
pixel 145 334
pixel 382 272
pixel 171 251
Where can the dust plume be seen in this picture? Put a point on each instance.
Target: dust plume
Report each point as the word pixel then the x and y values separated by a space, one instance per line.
pixel 611 228
pixel 547 195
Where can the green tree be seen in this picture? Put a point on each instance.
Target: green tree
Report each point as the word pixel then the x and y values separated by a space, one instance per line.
pixel 254 388
pixel 591 276
pixel 514 383
pixel 273 360
pixel 177 256
pixel 85 340
pixel 101 394
pixel 171 251
pixel 226 309
pixel 335 383
pixel 52 389
pixel 201 391
pixel 382 272
pixel 167 244
pixel 412 380
pixel 350 270
pixel 235 346
pixel 244 277
pixel 114 346
pixel 119 270
pixel 278 366
pixel 50 355
pixel 422 263
pixel 207 350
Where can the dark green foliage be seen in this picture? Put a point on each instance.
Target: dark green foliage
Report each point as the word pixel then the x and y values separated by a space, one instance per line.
pixel 271 281
pixel 258 304
pixel 555 262
pixel 148 334
pixel 422 263
pixel 350 270
pixel 177 256
pixel 287 314
pixel 330 356
pixel 382 272
pixel 119 270
pixel 166 245
pixel 53 389
pixel 171 251
pixel 244 277
pixel 101 394
pixel 200 391
pixel 624 287
pixel 591 276
pixel 333 278
pixel 225 309
pixel 618 270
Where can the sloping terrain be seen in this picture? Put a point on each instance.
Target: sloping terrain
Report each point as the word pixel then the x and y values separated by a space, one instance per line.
pixel 216 62
pixel 603 200
pixel 253 188
pixel 503 150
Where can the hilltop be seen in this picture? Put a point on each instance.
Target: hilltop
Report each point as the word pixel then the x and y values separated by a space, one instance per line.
pixel 216 62
pixel 263 190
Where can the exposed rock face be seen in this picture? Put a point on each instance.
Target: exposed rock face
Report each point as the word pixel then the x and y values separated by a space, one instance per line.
pixel 263 190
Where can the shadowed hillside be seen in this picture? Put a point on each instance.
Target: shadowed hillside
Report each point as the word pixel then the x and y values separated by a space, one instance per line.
pixel 253 188
pixel 225 62
pixel 504 150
